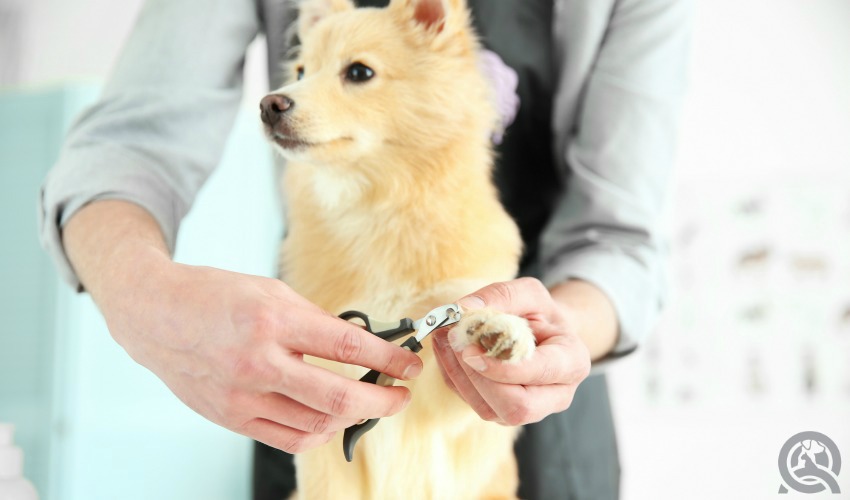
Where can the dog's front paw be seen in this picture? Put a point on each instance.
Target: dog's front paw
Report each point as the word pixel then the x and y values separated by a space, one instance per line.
pixel 503 336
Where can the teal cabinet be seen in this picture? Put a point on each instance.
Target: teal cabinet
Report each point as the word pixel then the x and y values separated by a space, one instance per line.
pixel 93 424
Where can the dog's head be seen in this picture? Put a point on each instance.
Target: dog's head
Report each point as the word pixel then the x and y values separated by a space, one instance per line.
pixel 368 81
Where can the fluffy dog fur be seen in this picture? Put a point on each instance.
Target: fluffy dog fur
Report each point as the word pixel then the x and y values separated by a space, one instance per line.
pixel 392 211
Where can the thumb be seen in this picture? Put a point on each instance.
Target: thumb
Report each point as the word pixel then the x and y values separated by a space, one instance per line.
pixel 472 302
pixel 520 297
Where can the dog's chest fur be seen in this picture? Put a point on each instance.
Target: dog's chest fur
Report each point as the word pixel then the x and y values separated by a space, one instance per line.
pixel 394 235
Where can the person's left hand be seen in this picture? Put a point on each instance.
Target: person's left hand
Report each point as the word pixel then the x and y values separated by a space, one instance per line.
pixel 516 394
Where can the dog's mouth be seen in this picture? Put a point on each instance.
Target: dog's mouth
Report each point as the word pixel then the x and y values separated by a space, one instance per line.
pixel 289 141
pixel 292 142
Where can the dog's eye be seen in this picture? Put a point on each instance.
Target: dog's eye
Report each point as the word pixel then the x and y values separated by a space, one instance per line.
pixel 300 72
pixel 358 72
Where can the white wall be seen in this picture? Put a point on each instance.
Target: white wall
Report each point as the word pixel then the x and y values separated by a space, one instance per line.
pixel 62 40
pixel 73 39
pixel 751 351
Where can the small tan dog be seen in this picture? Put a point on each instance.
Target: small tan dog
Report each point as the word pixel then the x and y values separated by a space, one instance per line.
pixel 386 126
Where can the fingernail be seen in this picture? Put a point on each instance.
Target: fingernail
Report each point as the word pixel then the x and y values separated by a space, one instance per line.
pixel 412 371
pixel 472 302
pixel 452 337
pixel 476 362
pixel 440 341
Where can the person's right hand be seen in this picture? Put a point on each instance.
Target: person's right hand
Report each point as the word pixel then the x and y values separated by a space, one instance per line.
pixel 230 345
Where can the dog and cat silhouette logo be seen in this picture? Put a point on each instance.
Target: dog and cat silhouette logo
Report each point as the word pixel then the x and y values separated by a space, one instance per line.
pixel 809 462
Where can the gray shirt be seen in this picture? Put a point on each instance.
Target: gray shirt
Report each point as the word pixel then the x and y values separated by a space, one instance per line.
pixel 619 67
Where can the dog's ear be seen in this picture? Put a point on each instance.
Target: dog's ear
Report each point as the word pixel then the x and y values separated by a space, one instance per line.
pixel 430 13
pixel 436 16
pixel 310 12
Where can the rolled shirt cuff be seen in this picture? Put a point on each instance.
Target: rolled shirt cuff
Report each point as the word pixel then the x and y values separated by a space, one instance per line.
pixel 111 172
pixel 633 289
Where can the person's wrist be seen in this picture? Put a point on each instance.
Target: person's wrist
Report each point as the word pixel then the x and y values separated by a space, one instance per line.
pixel 589 314
pixel 137 287
pixel 129 273
pixel 110 242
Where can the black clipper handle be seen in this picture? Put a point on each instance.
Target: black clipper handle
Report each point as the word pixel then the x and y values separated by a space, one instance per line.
pixel 355 432
pixel 386 331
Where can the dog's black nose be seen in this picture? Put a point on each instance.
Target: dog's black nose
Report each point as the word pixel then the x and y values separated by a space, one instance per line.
pixel 273 106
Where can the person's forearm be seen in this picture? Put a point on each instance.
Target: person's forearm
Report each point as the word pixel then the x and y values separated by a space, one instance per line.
pixel 113 243
pixel 593 314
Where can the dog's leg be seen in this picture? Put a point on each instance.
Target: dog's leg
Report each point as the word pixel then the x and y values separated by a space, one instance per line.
pixel 503 336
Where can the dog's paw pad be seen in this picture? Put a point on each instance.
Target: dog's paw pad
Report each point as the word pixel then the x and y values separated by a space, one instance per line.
pixel 503 336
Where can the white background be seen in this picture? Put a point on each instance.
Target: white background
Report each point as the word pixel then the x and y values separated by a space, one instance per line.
pixel 751 350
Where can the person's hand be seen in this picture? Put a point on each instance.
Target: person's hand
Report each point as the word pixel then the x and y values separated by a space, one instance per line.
pixel 229 345
pixel 516 394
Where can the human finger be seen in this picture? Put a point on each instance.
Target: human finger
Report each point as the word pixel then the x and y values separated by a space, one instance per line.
pixel 556 360
pixel 452 369
pixel 521 297
pixel 290 413
pixel 335 339
pixel 446 378
pixel 339 396
pixel 519 404
pixel 282 437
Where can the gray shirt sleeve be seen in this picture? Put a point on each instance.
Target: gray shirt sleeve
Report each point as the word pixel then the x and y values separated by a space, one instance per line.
pixel 608 227
pixel 161 123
